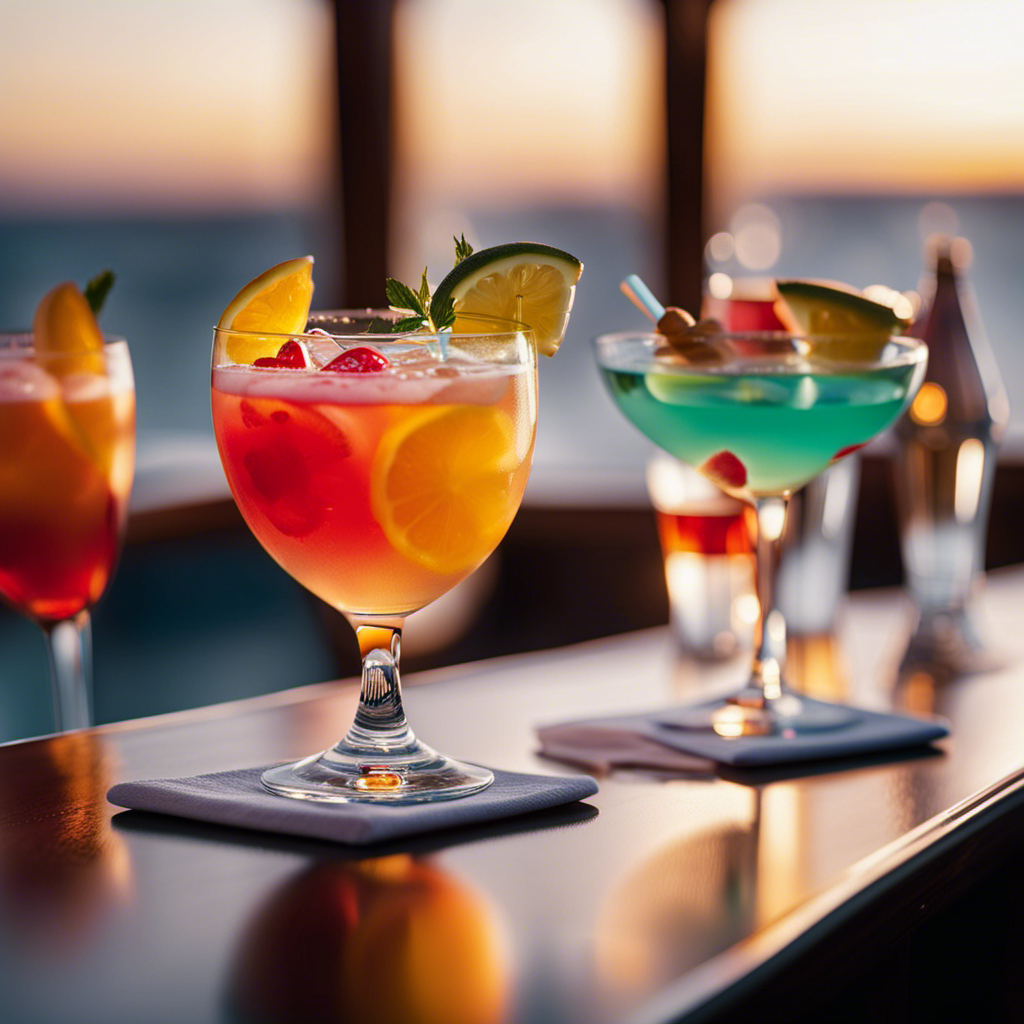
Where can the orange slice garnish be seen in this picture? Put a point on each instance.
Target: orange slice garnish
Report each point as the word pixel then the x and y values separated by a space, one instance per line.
pixel 69 345
pixel 276 302
pixel 66 335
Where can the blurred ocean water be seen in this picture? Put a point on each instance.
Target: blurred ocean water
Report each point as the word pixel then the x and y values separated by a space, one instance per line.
pixel 177 274
pixel 174 277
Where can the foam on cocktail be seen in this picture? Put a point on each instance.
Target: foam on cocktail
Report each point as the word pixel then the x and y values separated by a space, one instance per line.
pixel 404 383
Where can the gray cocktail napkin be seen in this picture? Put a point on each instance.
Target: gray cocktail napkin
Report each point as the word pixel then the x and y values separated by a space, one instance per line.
pixel 636 740
pixel 237 798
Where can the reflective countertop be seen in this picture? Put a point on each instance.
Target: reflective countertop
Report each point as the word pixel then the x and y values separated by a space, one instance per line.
pixel 632 906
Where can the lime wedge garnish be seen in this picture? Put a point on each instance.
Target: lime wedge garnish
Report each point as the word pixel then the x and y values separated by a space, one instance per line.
pixel 858 327
pixel 524 281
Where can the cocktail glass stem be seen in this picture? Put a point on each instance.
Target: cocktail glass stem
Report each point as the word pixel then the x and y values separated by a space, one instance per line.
pixel 765 705
pixel 379 725
pixel 69 644
pixel 770 654
pixel 380 757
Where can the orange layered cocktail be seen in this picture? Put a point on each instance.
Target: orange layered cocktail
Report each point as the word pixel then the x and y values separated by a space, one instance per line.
pixel 68 424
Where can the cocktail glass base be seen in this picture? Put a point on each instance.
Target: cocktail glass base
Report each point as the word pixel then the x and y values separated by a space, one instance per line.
pixel 747 715
pixel 416 774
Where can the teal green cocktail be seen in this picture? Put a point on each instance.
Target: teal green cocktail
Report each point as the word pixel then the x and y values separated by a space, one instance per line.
pixel 782 417
pixel 761 414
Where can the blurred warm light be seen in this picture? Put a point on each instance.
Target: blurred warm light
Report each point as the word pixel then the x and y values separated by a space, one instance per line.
pixel 757 235
pixel 549 99
pixel 929 405
pixel 771 518
pixel 721 247
pixel 961 253
pixel 730 721
pixel 938 219
pixel 918 693
pixel 169 105
pixel 897 301
pixel 880 95
pixel 677 488
pixel 719 285
pixel 970 468
pixel 746 609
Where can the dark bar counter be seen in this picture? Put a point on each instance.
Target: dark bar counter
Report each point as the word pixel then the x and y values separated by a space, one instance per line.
pixel 662 898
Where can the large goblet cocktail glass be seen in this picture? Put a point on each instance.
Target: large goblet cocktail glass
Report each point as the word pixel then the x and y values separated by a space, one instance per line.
pixel 762 414
pixel 379 491
pixel 67 420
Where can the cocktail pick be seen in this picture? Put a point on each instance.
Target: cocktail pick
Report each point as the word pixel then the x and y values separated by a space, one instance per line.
pixel 642 297
pixel 686 336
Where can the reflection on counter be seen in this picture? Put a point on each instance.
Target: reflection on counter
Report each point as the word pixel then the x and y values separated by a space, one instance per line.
pixel 391 940
pixel 815 666
pixel 63 872
pixel 667 914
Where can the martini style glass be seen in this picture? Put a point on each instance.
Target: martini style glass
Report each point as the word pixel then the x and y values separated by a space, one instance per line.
pixel 378 488
pixel 761 414
pixel 66 465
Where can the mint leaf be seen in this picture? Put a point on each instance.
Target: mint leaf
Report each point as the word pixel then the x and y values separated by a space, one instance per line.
pixel 406 323
pixel 97 289
pixel 401 297
pixel 424 295
pixel 462 249
pixel 442 314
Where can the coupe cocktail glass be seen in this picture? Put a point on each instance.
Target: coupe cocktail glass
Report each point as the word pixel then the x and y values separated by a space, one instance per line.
pixel 762 414
pixel 378 492
pixel 66 467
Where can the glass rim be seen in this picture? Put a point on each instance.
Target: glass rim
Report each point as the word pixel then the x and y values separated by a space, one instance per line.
pixel 914 350
pixel 21 343
pixel 508 327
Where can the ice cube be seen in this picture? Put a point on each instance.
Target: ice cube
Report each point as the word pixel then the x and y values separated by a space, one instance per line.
pixel 758 391
pixel 482 387
pixel 321 346
pixel 805 394
pixel 85 387
pixel 874 392
pixel 25 381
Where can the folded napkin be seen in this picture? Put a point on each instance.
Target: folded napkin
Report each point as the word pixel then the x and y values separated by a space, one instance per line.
pixel 238 798
pixel 661 739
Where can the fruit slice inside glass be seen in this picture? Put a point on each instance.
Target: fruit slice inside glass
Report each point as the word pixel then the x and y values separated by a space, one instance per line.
pixel 379 491
pixel 760 415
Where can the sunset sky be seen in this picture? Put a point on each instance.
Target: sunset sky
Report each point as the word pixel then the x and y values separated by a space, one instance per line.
pixel 210 103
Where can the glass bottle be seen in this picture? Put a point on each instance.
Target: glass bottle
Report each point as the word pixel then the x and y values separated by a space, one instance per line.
pixel 947 443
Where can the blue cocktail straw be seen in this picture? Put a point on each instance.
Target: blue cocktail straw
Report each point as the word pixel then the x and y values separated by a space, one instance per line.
pixel 642 297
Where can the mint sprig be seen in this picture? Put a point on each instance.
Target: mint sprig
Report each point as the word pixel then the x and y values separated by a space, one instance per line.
pixel 419 307
pixel 462 249
pixel 97 290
